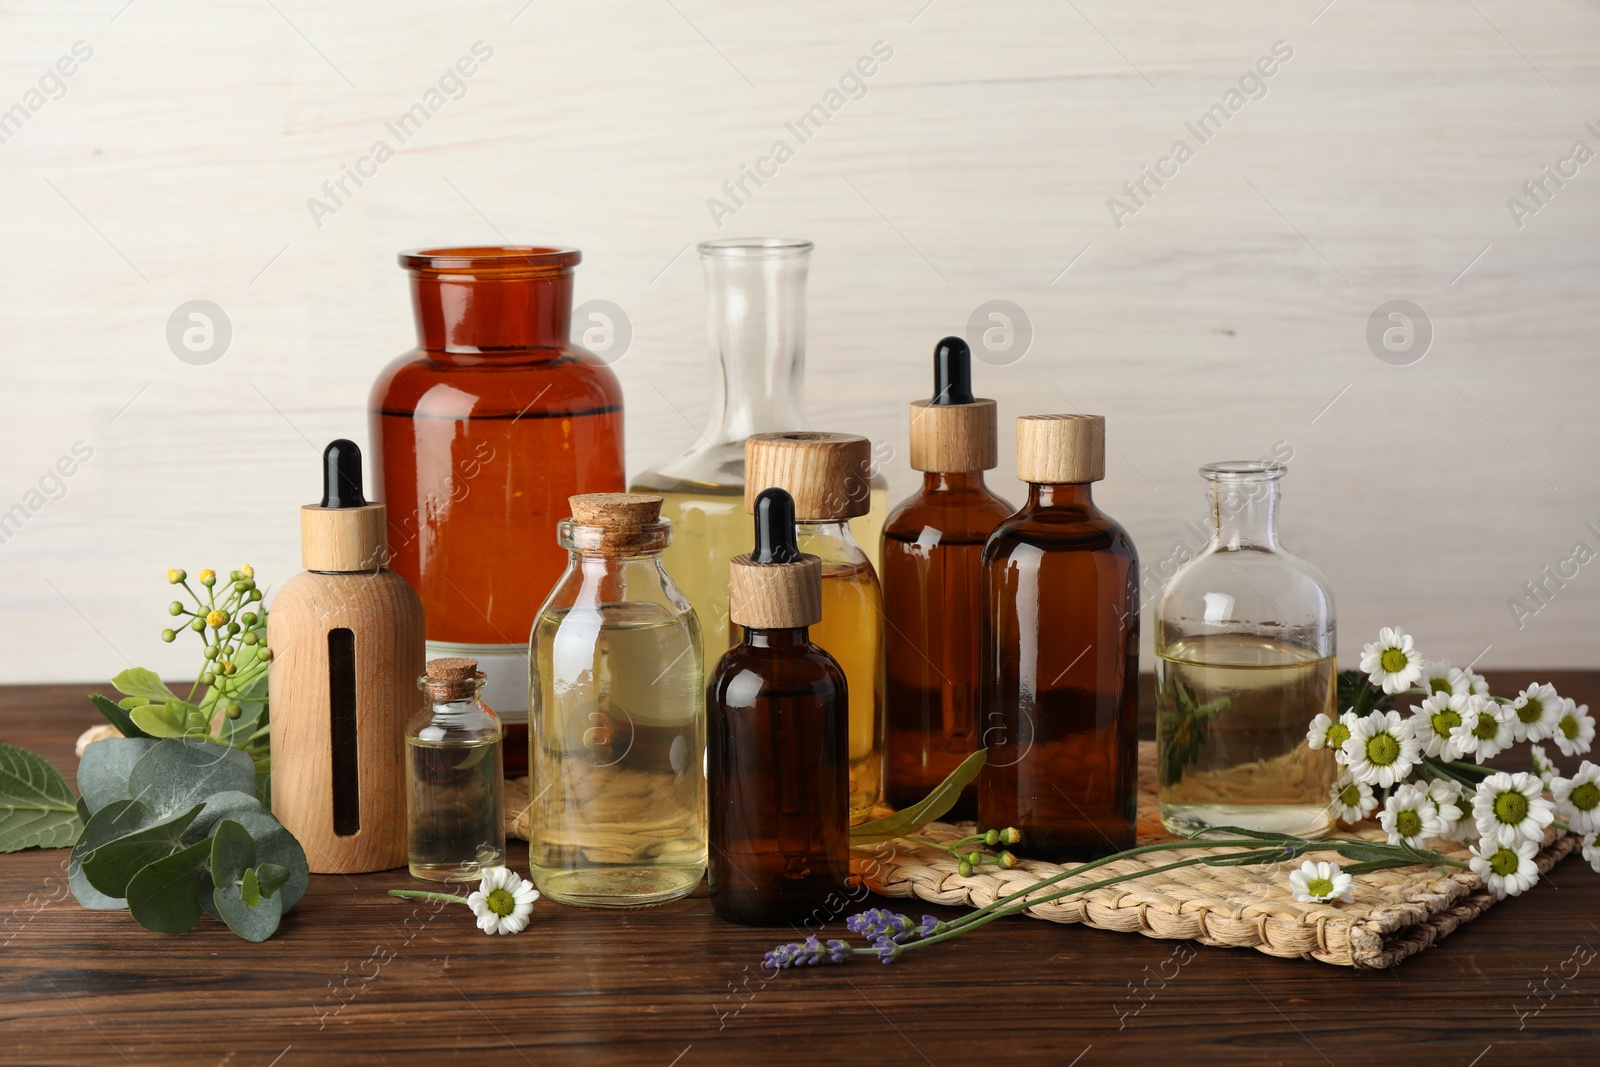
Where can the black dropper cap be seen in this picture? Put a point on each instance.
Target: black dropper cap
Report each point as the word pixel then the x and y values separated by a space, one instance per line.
pixel 341 475
pixel 775 541
pixel 952 372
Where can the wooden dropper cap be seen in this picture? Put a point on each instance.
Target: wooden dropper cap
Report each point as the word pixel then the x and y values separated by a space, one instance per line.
pixel 953 433
pixel 343 533
pixel 828 475
pixel 621 517
pixel 776 586
pixel 1061 449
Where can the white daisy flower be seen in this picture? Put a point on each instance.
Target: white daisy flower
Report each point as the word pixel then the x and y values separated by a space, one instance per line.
pixel 1330 733
pixel 1507 870
pixel 1410 817
pixel 1591 850
pixel 503 901
pixel 1477 684
pixel 1574 731
pixel 1318 883
pixel 1435 721
pixel 1382 750
pixel 1352 799
pixel 1535 712
pixel 1542 765
pixel 1511 807
pixel 1446 798
pixel 1578 799
pixel 1485 729
pixel 1392 661
pixel 1440 677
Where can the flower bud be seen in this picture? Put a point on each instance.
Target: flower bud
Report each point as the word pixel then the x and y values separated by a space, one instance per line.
pixel 175 576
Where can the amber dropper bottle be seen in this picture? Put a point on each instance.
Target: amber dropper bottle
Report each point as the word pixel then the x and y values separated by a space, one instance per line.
pixel 778 756
pixel 1061 654
pixel 932 555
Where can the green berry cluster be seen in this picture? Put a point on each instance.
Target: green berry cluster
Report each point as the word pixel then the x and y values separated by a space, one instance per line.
pixel 234 634
pixel 977 850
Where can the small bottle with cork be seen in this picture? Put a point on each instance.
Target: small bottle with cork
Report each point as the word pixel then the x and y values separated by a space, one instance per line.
pixel 932 558
pixel 617 716
pixel 1060 654
pixel 454 777
pixel 829 477
pixel 778 773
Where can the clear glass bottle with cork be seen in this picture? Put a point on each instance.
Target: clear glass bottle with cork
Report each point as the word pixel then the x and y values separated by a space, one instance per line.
pixel 618 716
pixel 1061 654
pixel 828 476
pixel 454 777
pixel 932 560
pixel 778 760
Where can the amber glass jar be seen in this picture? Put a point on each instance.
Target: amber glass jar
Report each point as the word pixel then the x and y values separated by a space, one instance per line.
pixel 481 434
pixel 1061 654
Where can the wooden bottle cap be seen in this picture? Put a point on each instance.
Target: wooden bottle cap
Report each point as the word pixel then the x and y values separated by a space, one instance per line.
pixel 828 474
pixel 1061 449
pixel 344 539
pixel 954 438
pixel 622 518
pixel 775 596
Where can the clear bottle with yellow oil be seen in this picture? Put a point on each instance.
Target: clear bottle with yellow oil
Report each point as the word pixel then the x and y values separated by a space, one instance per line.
pixel 828 475
pixel 756 333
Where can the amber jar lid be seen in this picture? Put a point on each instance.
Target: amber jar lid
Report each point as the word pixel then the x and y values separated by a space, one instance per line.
pixel 1061 449
pixel 829 475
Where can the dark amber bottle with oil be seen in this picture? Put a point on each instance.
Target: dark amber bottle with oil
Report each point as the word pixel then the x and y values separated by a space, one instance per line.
pixel 932 555
pixel 778 761
pixel 1061 654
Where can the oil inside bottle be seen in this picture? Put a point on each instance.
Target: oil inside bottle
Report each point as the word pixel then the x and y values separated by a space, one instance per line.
pixel 454 796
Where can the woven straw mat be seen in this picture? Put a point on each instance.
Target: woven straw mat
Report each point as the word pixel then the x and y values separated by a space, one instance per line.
pixel 1396 913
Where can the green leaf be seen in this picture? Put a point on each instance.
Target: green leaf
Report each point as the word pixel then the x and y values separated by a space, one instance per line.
pixel 250 888
pixel 110 822
pixel 251 923
pixel 232 853
pixel 275 845
pixel 111 866
pixel 924 811
pixel 272 878
pixel 172 719
pixel 116 715
pixel 228 804
pixel 103 771
pixel 138 682
pixel 37 808
pixel 162 895
pixel 177 775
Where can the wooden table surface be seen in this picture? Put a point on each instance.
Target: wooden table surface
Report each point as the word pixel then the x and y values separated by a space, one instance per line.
pixel 356 974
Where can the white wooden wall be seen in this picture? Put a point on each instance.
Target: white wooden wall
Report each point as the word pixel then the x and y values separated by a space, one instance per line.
pixel 1227 314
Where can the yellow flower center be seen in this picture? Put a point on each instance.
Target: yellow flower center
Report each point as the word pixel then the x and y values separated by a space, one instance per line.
pixel 1569 727
pixel 1350 796
pixel 1338 734
pixel 1511 807
pixel 1393 660
pixel 1319 887
pixel 1505 862
pixel 1531 711
pixel 1438 685
pixel 1585 797
pixel 1444 721
pixel 1487 729
pixel 1408 823
pixel 1382 749
pixel 501 902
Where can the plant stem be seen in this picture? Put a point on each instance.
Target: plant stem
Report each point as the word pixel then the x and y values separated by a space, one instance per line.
pixel 420 894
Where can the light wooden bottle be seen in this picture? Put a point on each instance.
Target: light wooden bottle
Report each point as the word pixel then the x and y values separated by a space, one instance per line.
pixel 347 642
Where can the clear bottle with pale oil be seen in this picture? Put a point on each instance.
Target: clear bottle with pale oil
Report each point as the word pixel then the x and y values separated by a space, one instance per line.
pixel 454 778
pixel 1244 662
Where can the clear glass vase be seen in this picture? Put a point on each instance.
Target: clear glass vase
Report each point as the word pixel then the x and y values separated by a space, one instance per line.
pixel 756 331
pixel 1244 662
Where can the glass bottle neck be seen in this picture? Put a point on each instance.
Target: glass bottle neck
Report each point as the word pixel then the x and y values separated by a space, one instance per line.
pixel 486 315
pixel 756 330
pixel 1244 514
pixel 1063 495
pixel 795 638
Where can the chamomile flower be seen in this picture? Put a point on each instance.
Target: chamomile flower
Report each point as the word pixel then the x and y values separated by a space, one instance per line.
pixel 1485 729
pixel 1591 850
pixel 1542 767
pixel 1318 883
pixel 1440 677
pixel 1392 661
pixel 1477 684
pixel 1331 733
pixel 1512 807
pixel 1578 799
pixel 1454 823
pixel 1410 817
pixel 1574 731
pixel 503 901
pixel 1352 799
pixel 1507 870
pixel 1435 721
pixel 1535 712
pixel 1382 750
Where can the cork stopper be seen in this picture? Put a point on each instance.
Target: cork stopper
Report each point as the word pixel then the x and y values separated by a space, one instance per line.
pixel 1061 449
pixel 954 432
pixel 451 678
pixel 829 475
pixel 775 586
pixel 622 520
pixel 342 532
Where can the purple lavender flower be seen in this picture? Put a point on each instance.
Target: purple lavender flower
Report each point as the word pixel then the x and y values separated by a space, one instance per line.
pixel 807 954
pixel 930 926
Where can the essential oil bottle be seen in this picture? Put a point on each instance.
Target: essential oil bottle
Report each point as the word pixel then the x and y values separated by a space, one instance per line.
pixel 1061 654
pixel 932 556
pixel 454 777
pixel 829 477
pixel 778 768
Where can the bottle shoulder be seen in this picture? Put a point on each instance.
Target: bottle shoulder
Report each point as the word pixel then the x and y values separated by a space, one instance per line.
pixel 962 516
pixel 1245 587
pixel 745 673
pixel 459 723
pixel 1059 530
pixel 572 382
